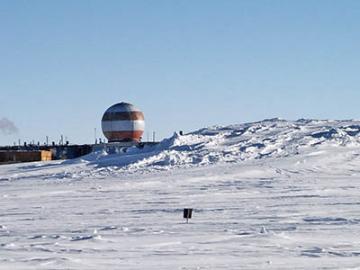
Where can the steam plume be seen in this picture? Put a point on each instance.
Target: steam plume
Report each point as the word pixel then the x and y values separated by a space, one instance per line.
pixel 7 127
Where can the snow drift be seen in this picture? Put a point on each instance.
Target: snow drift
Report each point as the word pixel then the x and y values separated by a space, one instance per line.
pixel 269 138
pixel 234 144
pixel 273 194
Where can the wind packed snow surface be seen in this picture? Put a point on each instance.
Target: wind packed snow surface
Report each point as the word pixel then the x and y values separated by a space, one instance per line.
pixel 268 195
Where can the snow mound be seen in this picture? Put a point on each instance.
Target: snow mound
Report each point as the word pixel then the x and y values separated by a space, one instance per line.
pixel 271 138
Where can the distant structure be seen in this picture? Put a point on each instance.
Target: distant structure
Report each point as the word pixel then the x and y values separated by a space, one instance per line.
pixel 11 156
pixel 123 122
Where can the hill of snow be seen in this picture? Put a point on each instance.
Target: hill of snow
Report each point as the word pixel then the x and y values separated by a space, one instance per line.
pixel 272 138
pixel 269 138
pixel 273 194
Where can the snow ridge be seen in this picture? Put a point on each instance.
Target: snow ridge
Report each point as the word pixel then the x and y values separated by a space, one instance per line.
pixel 270 138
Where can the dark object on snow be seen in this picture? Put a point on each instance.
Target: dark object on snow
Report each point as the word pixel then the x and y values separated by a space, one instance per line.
pixel 181 132
pixel 187 214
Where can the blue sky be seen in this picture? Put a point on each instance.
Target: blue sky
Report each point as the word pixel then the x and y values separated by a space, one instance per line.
pixel 186 64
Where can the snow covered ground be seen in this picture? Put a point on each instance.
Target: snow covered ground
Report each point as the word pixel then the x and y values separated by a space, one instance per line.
pixel 268 195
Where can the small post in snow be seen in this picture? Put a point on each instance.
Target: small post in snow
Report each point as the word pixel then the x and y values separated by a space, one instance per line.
pixel 187 214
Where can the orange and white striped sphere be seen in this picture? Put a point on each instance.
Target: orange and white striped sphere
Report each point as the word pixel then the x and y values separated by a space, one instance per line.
pixel 123 122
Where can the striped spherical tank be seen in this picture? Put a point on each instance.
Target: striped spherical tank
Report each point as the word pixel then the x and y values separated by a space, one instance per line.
pixel 123 122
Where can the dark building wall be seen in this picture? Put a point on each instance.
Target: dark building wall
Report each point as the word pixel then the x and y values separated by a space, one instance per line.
pixel 27 153
pixel 58 151
pixel 24 156
pixel 70 151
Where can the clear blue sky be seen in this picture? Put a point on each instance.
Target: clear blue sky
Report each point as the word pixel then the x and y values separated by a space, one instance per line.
pixel 186 64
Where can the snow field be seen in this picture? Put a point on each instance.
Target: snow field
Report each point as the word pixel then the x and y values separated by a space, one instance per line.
pixel 294 208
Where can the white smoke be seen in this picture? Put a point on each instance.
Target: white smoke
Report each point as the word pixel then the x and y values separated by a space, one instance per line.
pixel 7 127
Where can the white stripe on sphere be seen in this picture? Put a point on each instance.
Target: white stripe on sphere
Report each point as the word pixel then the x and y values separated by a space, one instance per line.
pixel 108 126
